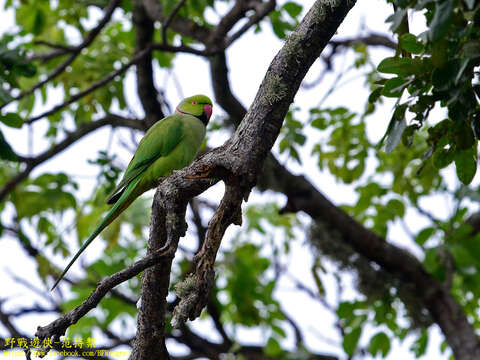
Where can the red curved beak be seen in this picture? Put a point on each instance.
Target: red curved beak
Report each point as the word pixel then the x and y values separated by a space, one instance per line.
pixel 208 110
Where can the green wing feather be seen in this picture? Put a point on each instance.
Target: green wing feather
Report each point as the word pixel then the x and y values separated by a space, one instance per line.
pixel 151 147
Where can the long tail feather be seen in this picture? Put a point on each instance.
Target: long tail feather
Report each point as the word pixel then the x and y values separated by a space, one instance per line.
pixel 122 203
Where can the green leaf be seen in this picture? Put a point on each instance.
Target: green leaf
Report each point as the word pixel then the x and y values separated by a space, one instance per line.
pixel 4 95
pixel 379 344
pixel 408 134
pixel 38 22
pixel 6 151
pixel 424 235
pixel 396 19
pixel 442 158
pixel 441 20
pixel 420 345
pixel 12 119
pixel 27 70
pixel 375 95
pixel 466 165
pixel 399 66
pixel 273 348
pixel 350 340
pixel 293 9
pixel 345 310
pixel 444 76
pixel 409 42
pixel 397 207
pixel 394 87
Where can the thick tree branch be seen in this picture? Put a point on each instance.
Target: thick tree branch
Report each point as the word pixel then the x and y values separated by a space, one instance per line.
pixel 74 52
pixel 444 309
pixel 83 130
pixel 145 85
pixel 221 88
pixel 372 39
pixel 150 338
pixel 211 350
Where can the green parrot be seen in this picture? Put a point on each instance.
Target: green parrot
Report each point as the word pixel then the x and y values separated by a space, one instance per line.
pixel 171 144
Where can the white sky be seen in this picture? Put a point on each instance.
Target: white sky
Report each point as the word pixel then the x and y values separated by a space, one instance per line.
pixel 248 60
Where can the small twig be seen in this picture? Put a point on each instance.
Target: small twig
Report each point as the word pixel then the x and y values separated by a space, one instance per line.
pixel 372 39
pixel 58 327
pixel 262 10
pixel 296 330
pixel 92 88
pixel 169 19
pixel 37 309
pixel 44 56
pixel 33 288
pixel 66 48
pixel 5 320
pixel 181 48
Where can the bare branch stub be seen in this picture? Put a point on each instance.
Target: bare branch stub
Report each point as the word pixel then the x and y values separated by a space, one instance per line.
pixel 194 291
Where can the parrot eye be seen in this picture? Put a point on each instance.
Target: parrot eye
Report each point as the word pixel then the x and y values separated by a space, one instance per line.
pixel 194 103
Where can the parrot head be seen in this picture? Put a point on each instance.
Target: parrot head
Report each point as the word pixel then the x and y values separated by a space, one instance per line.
pixel 199 106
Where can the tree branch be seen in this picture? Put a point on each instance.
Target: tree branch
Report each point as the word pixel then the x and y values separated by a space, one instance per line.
pixel 74 52
pixel 58 327
pixel 372 39
pixel 83 130
pixel 262 10
pixel 169 19
pixel 145 85
pixel 136 58
pixel 444 309
pixel 44 56
pixel 195 298
pixel 187 27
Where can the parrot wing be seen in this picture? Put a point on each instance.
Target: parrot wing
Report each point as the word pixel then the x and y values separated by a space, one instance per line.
pixel 159 141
